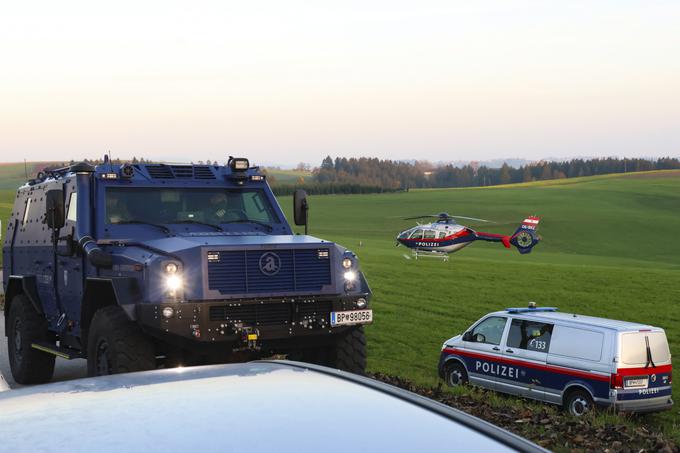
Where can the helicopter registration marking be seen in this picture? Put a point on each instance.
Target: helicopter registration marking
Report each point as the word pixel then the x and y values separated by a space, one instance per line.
pixel 344 318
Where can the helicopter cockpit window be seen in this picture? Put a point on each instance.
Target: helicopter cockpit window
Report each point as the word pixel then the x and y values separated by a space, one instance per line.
pixel 417 234
pixel 442 234
pixel 430 234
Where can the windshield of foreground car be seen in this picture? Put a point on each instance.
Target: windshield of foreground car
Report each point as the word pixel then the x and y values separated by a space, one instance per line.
pixel 202 207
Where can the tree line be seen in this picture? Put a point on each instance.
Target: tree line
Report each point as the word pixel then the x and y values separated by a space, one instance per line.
pixel 370 175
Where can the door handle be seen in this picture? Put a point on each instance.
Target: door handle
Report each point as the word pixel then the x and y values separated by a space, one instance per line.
pixel 510 351
pixel 496 348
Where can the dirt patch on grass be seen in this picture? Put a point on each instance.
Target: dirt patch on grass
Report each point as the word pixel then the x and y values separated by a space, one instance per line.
pixel 545 425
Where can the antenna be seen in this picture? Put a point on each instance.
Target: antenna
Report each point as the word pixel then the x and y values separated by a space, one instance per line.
pixel 25 170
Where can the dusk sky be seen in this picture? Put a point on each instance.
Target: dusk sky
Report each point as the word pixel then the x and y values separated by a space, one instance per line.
pixel 287 82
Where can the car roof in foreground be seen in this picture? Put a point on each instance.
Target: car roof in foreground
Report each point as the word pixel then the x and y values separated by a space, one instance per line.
pixel 257 406
pixel 574 318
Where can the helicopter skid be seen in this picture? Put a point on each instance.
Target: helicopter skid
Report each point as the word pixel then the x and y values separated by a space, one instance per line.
pixel 430 254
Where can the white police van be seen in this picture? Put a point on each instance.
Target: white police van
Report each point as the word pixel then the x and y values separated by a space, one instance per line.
pixel 562 358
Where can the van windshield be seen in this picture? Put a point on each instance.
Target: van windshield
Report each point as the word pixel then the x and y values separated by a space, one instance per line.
pixel 181 205
pixel 634 348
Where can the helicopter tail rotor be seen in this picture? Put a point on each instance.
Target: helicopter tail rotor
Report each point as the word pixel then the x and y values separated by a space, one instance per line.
pixel 525 237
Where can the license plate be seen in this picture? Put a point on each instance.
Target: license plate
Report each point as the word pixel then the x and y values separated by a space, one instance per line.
pixel 636 382
pixel 346 318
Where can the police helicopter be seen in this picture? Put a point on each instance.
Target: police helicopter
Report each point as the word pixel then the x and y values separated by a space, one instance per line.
pixel 445 235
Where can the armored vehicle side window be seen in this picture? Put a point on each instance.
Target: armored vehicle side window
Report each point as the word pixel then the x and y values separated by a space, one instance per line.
pixel 489 331
pixel 577 343
pixel 182 205
pixel 529 335
pixel 72 207
pixel 430 234
pixel 28 208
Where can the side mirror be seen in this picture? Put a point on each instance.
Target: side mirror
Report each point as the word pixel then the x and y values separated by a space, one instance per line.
pixel 300 208
pixel 55 208
pixel 467 336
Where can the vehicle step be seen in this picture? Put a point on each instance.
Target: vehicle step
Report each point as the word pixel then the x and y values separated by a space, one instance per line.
pixel 64 353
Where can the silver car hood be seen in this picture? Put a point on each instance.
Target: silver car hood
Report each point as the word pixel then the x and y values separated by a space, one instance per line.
pixel 257 406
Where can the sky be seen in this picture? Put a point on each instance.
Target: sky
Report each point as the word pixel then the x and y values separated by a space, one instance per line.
pixel 294 81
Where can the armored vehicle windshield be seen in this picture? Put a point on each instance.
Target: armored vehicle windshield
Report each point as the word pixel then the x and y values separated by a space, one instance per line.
pixel 212 206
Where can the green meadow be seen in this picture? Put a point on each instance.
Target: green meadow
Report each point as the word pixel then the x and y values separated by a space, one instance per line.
pixel 610 248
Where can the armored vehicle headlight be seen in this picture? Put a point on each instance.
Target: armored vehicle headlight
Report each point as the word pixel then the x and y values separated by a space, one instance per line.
pixel 171 268
pixel 361 303
pixel 173 282
pixel 347 263
pixel 350 276
pixel 168 312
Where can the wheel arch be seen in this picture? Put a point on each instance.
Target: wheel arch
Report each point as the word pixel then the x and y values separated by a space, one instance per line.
pixel 578 385
pixel 452 358
pixel 102 292
pixel 21 284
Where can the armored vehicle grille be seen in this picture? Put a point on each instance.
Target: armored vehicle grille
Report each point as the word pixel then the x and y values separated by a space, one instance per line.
pixel 271 314
pixel 159 171
pixel 246 271
pixel 180 171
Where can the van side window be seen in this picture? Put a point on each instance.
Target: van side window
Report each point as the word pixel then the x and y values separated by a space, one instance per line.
pixel 489 331
pixel 529 335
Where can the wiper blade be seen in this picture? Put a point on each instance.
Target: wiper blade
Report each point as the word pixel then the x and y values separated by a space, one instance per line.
pixel 257 222
pixel 198 222
pixel 165 229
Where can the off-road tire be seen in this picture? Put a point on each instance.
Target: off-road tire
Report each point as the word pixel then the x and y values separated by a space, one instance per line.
pixel 117 345
pixel 27 326
pixel 455 374
pixel 349 351
pixel 578 403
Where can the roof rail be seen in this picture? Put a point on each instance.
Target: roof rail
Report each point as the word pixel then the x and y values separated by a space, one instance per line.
pixel 530 310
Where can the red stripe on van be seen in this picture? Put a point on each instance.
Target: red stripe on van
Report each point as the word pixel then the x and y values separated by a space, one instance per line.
pixel 552 368
pixel 648 370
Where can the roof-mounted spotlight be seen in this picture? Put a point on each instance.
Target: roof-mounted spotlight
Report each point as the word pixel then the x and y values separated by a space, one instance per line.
pixel 238 163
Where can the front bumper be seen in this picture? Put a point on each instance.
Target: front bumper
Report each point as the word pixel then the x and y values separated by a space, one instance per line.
pixel 226 321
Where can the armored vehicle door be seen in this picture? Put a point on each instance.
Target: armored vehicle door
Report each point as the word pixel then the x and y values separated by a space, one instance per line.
pixel 69 275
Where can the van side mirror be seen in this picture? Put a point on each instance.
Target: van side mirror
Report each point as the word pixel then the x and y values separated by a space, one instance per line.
pixel 55 208
pixel 467 336
pixel 300 208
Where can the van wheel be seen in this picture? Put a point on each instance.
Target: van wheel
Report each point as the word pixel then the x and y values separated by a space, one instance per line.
pixel 116 344
pixel 26 326
pixel 578 403
pixel 455 375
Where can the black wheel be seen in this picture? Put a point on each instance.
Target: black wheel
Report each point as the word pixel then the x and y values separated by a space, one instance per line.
pixel 26 326
pixel 578 403
pixel 455 375
pixel 116 345
pixel 349 351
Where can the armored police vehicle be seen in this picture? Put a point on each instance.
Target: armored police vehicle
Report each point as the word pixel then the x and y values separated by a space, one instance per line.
pixel 138 266
pixel 562 358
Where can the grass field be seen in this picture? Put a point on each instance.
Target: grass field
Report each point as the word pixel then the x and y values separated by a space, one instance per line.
pixel 289 176
pixel 610 248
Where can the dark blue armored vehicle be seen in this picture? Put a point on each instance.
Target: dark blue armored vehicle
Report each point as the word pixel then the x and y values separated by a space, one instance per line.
pixel 137 266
